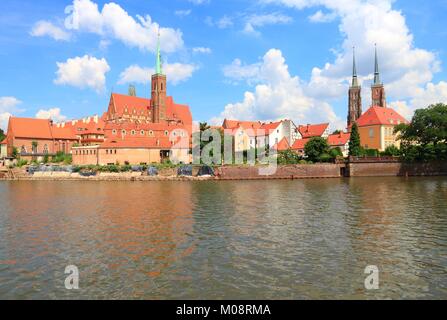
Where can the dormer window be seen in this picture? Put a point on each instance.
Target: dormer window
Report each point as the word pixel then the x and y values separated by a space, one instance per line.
pixel 133 132
pixel 166 133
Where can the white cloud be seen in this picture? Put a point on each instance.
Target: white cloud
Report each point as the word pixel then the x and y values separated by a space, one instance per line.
pixel 320 17
pixel 198 2
pixel 405 69
pixel 175 73
pixel 45 28
pixel 201 50
pixel 182 13
pixel 8 105
pixel 278 95
pixel 114 22
pixel 260 20
pixel 238 71
pixel 83 72
pixel 224 22
pixel 52 113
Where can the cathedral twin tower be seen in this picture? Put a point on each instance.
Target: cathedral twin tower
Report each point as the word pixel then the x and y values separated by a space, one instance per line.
pixel 355 97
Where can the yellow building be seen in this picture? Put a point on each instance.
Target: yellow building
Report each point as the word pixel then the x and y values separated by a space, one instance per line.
pixel 376 128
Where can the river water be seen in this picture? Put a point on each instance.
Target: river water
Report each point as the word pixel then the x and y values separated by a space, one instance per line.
pixel 302 239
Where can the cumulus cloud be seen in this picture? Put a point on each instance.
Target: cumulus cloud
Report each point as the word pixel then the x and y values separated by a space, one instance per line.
pixel 83 72
pixel 201 50
pixel 175 73
pixel 8 105
pixel 278 95
pixel 114 22
pixel 238 71
pixel 45 28
pixel 182 13
pixel 406 69
pixel 260 20
pixel 52 113
pixel 320 17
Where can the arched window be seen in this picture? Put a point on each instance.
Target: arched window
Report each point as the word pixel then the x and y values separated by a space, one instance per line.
pixel 23 150
pixel 133 132
pixel 124 132
pixel 114 131
pixel 162 86
pixel 166 133
pixel 45 149
pixel 142 132
pixel 151 133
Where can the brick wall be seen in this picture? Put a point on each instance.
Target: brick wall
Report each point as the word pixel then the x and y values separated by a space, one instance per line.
pixel 397 169
pixel 282 172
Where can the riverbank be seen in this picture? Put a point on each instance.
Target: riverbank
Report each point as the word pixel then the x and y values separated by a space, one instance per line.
pixel 307 171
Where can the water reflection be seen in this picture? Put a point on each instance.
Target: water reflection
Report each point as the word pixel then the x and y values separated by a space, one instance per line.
pixel 253 239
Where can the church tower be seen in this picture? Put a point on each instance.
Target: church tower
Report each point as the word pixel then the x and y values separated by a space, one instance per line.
pixel 158 96
pixel 377 89
pixel 355 97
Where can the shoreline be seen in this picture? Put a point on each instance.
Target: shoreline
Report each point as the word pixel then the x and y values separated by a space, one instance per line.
pixel 249 173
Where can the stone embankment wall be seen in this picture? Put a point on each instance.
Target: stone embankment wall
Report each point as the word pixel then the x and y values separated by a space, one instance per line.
pixel 281 172
pixel 396 169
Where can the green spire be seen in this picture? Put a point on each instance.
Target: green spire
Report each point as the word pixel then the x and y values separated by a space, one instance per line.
pixel 354 71
pixel 159 65
pixel 376 70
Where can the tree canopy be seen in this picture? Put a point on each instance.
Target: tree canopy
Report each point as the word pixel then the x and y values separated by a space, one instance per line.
pixel 355 148
pixel 316 149
pixel 2 135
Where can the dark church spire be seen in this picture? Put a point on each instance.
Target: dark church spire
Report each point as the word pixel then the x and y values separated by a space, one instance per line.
pixel 376 69
pixel 354 71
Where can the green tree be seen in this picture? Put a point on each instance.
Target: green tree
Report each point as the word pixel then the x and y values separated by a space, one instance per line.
pixel 2 135
pixel 355 148
pixel 391 151
pixel 336 152
pixel 427 126
pixel 288 157
pixel 316 148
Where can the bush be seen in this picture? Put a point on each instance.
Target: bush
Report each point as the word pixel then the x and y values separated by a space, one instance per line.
pixel 315 148
pixel 288 157
pixel 21 163
pixel 326 157
pixel 336 152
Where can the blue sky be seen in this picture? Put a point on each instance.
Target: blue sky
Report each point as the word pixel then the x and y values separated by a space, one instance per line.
pixel 257 59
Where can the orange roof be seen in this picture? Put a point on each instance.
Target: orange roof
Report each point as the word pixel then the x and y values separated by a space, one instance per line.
pixel 4 141
pixel 282 145
pixel 234 124
pixel 30 128
pixel 270 126
pixel 380 116
pixel 339 139
pixel 63 133
pixel 299 144
pixel 316 130
pixel 139 105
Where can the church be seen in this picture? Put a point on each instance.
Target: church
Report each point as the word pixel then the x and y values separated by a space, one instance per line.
pixel 376 125
pixel 137 130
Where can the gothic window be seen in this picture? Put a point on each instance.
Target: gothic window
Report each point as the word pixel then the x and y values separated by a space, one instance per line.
pixel 45 149
pixel 166 133
pixel 161 86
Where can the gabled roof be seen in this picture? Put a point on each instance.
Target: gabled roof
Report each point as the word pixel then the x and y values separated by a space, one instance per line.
pixel 315 130
pixel 234 124
pixel 30 128
pixel 300 144
pixel 271 126
pixel 282 145
pixel 339 139
pixel 380 116
pixel 4 141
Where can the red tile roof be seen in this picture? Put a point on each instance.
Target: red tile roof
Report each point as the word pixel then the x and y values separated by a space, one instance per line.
pixel 339 139
pixel 29 128
pixel 316 130
pixel 300 144
pixel 4 141
pixel 282 145
pixel 234 124
pixel 380 116
pixel 268 127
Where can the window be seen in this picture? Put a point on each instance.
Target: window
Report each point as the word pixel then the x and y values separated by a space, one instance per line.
pixel 133 132
pixel 114 131
pixel 45 149
pixel 142 132
pixel 371 133
pixel 23 150
pixel 115 151
pixel 107 151
pixel 166 133
pixel 151 133
pixel 124 132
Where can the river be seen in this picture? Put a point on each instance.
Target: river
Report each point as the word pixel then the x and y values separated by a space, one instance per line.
pixel 301 239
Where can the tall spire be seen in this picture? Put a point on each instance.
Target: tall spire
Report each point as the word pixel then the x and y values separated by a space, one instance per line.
pixel 354 71
pixel 159 66
pixel 376 69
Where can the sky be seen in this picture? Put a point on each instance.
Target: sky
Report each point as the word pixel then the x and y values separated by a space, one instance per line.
pixel 236 59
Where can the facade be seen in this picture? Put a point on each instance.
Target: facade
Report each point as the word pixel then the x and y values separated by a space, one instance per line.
pixel 3 149
pixel 137 130
pixel 255 134
pixel 376 128
pixel 340 140
pixel 34 138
